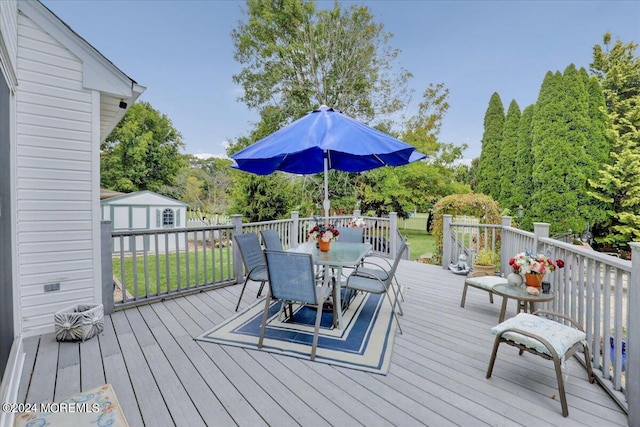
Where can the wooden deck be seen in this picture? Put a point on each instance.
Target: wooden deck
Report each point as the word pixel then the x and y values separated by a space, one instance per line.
pixel 162 377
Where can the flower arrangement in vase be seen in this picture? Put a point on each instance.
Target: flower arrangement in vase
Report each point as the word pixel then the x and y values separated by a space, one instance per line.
pixel 357 222
pixel 324 234
pixel 534 266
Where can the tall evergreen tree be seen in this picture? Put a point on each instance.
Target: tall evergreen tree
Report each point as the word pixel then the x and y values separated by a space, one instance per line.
pixel 508 157
pixel 489 165
pixel 524 161
pixel 617 68
pixel 596 151
pixel 561 145
pixel 546 143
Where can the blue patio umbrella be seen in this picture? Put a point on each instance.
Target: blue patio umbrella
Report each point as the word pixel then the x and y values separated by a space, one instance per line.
pixel 321 140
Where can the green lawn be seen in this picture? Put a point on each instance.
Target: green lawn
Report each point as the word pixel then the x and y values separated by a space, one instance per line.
pixel 180 277
pixel 421 242
pixel 176 265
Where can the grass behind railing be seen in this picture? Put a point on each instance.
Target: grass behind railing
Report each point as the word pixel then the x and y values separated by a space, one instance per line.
pixel 222 265
pixel 421 242
pixel 218 269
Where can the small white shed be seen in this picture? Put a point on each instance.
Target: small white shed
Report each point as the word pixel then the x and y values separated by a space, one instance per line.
pixel 146 210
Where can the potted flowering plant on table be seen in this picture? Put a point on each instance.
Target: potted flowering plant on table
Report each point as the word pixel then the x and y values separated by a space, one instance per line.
pixel 324 234
pixel 534 266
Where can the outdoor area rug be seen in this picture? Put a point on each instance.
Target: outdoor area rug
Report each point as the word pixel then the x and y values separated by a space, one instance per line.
pixel 365 342
pixel 92 408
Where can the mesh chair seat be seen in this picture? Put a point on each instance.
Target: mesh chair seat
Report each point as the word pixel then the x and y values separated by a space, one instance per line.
pixel 378 272
pixel 292 280
pixel 382 266
pixel 253 259
pixel 367 284
pixel 259 274
pixel 379 282
pixel 271 240
pixel 351 234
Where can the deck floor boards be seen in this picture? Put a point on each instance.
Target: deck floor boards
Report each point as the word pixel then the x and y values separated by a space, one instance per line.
pixel 162 377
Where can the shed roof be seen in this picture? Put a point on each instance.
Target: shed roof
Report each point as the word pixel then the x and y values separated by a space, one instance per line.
pixel 143 198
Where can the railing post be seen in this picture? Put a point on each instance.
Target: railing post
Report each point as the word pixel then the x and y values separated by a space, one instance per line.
pixel 540 229
pixel 106 249
pixel 633 338
pixel 504 254
pixel 357 213
pixel 295 226
pixel 446 241
pixel 393 233
pixel 236 221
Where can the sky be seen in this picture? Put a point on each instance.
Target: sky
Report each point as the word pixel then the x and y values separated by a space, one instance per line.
pixel 182 52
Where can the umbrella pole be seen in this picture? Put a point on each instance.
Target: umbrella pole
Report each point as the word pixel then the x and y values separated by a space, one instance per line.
pixel 326 204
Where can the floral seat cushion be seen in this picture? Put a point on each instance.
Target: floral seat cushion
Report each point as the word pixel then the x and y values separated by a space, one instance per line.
pixel 561 337
pixel 486 282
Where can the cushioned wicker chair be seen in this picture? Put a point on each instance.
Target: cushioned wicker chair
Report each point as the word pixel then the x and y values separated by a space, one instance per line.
pixel 253 259
pixel 271 240
pixel 546 338
pixel 292 280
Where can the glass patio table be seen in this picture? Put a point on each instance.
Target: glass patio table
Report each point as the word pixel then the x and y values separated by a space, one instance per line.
pixel 340 255
pixel 520 294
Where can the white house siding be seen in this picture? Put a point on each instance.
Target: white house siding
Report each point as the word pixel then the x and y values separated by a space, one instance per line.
pixel 9 24
pixel 108 109
pixel 54 179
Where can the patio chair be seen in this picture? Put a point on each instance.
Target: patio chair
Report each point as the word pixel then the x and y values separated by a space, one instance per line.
pixel 547 338
pixel 378 281
pixel 253 259
pixel 382 266
pixel 271 240
pixel 480 280
pixel 351 234
pixel 292 280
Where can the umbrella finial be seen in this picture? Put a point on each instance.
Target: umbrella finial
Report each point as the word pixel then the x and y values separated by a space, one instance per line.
pixel 323 108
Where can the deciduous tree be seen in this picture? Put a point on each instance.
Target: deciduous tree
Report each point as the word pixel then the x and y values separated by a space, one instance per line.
pixel 142 152
pixel 296 57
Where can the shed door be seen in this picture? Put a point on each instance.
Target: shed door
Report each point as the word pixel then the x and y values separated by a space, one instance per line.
pixel 6 291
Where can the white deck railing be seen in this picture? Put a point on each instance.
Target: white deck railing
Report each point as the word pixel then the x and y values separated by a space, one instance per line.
pixel 599 290
pixel 150 265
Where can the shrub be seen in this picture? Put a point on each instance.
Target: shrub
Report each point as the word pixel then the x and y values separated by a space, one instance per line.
pixel 486 257
pixel 473 204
